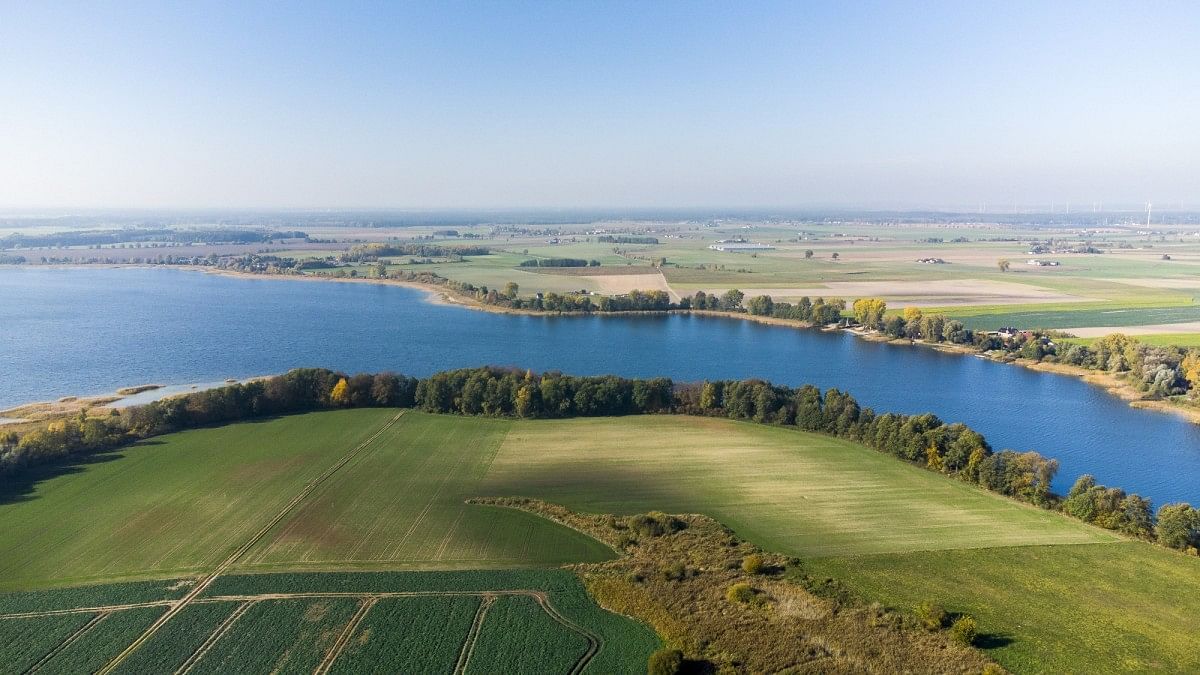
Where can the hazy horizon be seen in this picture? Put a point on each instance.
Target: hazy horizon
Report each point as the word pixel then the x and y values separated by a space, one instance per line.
pixel 545 106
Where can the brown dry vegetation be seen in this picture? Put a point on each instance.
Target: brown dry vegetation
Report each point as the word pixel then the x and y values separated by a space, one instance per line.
pixel 676 574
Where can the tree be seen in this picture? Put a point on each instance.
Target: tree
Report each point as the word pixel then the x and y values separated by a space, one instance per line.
pixel 381 269
pixel 808 254
pixel 1189 367
pixel 340 394
pixel 835 255
pixel 711 395
pixel 869 312
pixel 511 289
pixel 957 333
pixel 760 305
pixel 1003 265
pixel 731 300
pixel 753 564
pixel 1179 526
pixel 665 662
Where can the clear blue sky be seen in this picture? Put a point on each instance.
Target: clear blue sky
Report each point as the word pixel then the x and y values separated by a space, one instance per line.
pixel 488 104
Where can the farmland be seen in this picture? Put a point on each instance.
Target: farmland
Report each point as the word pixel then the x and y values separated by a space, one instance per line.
pixel 396 501
pixel 416 622
pixel 1129 284
pixel 398 504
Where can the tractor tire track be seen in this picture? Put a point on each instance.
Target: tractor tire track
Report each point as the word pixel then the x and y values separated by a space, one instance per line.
pixel 595 642
pixel 348 632
pixel 70 639
pixel 216 635
pixel 464 657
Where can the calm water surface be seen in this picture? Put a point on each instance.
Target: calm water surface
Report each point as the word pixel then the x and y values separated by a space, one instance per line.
pixel 92 330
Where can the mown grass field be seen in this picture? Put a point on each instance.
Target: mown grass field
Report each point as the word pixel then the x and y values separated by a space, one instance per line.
pixel 522 622
pixel 806 494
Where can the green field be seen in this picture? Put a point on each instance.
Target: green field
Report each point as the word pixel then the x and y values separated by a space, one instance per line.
pixel 1048 591
pixel 180 503
pixel 807 494
pixel 427 622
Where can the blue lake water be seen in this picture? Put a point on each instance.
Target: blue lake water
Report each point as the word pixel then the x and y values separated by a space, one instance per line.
pixel 93 330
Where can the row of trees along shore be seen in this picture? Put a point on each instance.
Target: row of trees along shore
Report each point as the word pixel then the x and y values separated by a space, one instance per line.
pixel 950 449
pixel 1159 371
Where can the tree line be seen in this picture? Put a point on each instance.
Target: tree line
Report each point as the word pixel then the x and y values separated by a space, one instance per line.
pixel 375 251
pixel 559 262
pixel 626 239
pixel 954 450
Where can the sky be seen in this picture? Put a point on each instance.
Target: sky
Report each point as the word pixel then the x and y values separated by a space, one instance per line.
pixel 598 104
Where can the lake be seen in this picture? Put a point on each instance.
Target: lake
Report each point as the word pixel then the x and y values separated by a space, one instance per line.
pixel 93 330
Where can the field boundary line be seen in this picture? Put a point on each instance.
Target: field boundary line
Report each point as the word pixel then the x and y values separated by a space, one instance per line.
pixel 204 583
pixel 85 610
pixel 468 648
pixel 339 645
pixel 595 643
pixel 68 641
pixel 314 595
pixel 218 633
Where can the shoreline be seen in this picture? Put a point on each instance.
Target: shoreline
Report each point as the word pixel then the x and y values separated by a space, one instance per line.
pixel 447 297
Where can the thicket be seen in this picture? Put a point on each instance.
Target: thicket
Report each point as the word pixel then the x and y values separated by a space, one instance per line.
pixel 954 450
